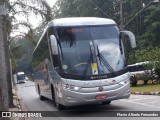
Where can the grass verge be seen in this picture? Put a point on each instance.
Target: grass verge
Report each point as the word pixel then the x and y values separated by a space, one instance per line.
pixel 145 88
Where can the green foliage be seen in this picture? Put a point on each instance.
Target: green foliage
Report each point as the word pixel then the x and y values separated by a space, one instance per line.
pixel 14 66
pixel 145 25
pixel 86 8
pixel 146 88
pixel 21 50
pixel 150 36
pixel 24 8
pixel 152 55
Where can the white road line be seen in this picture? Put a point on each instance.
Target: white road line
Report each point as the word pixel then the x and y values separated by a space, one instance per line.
pixel 136 96
pixel 141 104
pixel 140 99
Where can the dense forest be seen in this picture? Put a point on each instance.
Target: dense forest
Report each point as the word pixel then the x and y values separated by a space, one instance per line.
pixel 142 17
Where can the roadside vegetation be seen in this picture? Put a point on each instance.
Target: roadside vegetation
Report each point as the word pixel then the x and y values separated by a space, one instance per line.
pixel 152 86
pixel 147 82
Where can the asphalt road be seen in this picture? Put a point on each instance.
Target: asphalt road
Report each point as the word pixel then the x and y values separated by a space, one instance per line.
pixel 135 103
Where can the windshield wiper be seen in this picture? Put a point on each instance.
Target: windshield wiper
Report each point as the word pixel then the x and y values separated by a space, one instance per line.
pixel 120 44
pixel 101 57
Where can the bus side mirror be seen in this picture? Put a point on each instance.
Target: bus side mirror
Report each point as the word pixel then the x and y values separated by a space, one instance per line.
pixel 54 47
pixel 131 38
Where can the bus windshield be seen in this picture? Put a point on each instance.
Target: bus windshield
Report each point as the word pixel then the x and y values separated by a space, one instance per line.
pixel 79 47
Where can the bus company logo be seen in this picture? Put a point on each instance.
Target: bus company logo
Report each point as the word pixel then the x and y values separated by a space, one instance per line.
pixel 100 88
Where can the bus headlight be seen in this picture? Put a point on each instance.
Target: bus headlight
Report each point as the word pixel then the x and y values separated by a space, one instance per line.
pixel 71 87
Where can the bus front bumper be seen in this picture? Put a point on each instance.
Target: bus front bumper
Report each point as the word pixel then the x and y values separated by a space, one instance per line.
pixel 72 98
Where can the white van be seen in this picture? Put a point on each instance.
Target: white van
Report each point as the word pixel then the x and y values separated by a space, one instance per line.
pixel 21 77
pixel 138 68
pixel 139 71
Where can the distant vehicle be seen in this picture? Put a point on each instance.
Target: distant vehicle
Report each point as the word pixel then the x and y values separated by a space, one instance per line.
pixel 81 61
pixel 138 68
pixel 21 77
pixel 139 71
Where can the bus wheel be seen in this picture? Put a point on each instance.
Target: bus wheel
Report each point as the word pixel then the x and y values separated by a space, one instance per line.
pixel 60 107
pixel 106 103
pixel 40 96
pixel 53 96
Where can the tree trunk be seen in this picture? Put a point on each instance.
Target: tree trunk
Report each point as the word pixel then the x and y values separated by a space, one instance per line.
pixel 7 62
pixel 3 76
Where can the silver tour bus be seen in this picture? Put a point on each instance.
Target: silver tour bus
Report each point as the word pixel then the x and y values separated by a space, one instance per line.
pixel 81 61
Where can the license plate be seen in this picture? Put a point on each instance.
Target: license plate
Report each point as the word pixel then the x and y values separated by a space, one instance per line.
pixel 101 96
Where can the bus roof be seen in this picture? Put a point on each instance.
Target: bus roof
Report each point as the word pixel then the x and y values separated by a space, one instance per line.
pixel 20 73
pixel 80 21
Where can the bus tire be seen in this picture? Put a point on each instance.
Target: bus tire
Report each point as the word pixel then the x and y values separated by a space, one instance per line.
pixel 57 105
pixel 60 107
pixel 106 103
pixel 53 95
pixel 40 96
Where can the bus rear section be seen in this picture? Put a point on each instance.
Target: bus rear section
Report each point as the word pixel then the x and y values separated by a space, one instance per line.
pixel 82 61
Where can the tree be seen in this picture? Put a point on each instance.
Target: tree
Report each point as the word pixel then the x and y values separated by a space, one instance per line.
pixel 141 17
pixel 16 51
pixel 5 76
pixel 151 54
pixel 150 36
pixel 87 8
pixel 3 83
